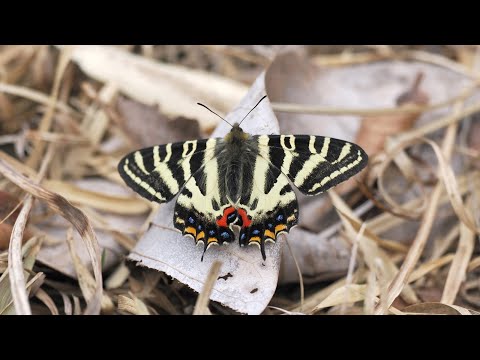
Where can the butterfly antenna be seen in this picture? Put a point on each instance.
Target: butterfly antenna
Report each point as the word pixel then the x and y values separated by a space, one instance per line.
pixel 259 101
pixel 206 107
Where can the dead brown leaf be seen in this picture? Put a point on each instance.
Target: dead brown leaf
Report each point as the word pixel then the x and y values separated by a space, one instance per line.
pixel 147 126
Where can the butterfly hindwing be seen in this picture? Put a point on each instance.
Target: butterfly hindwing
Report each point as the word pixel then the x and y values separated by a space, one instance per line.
pixel 201 211
pixel 314 164
pixel 271 208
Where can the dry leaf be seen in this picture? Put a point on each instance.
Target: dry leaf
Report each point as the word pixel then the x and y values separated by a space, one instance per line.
pixel 437 308
pixel 175 89
pixel 246 282
pixel 146 126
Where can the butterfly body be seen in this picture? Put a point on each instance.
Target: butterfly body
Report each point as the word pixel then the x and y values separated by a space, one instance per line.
pixel 239 181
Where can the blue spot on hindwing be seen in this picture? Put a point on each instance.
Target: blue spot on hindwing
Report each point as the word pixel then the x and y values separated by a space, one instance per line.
pixel 280 217
pixel 256 232
pixel 211 232
pixel 191 220
pixel 225 235
pixel 242 236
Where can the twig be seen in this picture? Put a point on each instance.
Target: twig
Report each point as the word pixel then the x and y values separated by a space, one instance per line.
pixel 299 271
pixel 201 307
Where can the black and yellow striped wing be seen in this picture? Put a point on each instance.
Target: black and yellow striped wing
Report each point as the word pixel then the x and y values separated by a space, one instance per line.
pixel 240 180
pixel 313 164
pixel 158 173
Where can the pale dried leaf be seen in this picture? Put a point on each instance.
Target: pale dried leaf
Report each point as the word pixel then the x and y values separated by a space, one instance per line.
pixel 43 296
pixel 458 269
pixel 246 282
pixel 118 277
pixel 176 89
pixel 344 295
pixel 132 305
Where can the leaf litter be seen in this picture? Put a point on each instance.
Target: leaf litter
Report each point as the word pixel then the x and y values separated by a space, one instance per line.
pixel 400 238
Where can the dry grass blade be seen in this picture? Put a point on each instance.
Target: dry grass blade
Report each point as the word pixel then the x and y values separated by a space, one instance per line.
pixel 300 276
pixel 475 263
pixel 77 309
pixel 370 249
pixel 416 249
pixel 118 277
pixel 132 305
pixel 34 282
pixel 15 264
pixel 429 266
pixel 67 304
pixel 201 307
pixel 29 251
pixel 405 109
pixel 347 294
pixel 85 278
pixel 351 265
pixel 47 300
pixel 439 123
pixel 370 294
pixel 115 204
pixel 33 95
pixel 435 308
pixel 81 223
pixel 46 121
pixel 451 186
pixel 458 269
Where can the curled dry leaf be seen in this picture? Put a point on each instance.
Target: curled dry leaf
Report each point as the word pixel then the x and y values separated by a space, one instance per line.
pixel 175 89
pixel 246 283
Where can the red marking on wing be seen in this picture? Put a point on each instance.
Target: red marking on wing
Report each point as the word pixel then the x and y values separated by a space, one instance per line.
pixel 223 220
pixel 245 220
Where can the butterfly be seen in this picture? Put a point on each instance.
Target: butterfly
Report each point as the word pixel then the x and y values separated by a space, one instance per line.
pixel 240 180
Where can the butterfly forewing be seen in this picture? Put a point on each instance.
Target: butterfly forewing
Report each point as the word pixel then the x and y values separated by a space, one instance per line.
pixel 158 173
pixel 314 164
